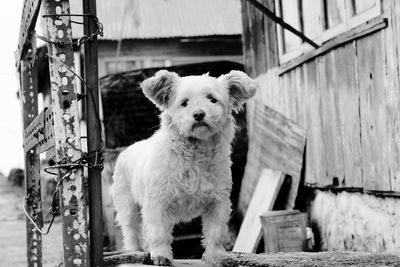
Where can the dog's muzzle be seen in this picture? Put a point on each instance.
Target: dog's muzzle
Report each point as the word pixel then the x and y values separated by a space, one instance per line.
pixel 198 124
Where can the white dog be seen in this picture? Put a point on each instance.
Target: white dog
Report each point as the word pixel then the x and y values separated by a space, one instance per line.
pixel 183 170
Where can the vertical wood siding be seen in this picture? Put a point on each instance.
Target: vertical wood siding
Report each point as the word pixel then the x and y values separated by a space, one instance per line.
pixel 347 99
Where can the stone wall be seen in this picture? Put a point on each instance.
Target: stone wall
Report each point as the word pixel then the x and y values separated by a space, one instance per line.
pixel 356 222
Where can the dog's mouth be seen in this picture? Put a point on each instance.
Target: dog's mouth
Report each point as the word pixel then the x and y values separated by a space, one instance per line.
pixel 200 124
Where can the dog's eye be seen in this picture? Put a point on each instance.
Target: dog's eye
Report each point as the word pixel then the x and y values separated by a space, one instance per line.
pixel 184 103
pixel 212 99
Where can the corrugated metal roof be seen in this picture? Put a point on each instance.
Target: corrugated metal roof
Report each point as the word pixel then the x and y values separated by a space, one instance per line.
pixel 145 19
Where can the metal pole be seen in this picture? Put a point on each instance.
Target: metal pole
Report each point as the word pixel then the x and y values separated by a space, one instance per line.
pixel 66 134
pixel 93 136
pixel 281 22
pixel 29 109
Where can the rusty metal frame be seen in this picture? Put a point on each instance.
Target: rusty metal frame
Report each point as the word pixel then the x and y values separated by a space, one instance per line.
pixel 55 128
pixel 28 21
pixel 40 133
pixel 29 106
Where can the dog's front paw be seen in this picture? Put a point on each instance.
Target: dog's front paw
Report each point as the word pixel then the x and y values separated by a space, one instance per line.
pixel 161 261
pixel 214 257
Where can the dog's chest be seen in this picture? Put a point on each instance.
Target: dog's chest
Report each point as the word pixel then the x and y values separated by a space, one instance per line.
pixel 194 185
pixel 196 173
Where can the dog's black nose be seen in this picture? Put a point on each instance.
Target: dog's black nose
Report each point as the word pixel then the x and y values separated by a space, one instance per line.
pixel 199 115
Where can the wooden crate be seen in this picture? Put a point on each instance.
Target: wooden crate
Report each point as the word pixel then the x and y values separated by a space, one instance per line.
pixel 284 231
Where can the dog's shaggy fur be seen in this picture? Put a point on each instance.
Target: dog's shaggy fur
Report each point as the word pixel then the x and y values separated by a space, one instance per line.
pixel 183 170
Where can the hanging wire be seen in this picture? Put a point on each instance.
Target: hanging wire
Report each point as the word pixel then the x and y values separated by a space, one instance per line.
pixel 54 210
pixel 80 41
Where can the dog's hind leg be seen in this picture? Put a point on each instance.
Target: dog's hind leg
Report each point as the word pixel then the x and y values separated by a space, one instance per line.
pixel 128 213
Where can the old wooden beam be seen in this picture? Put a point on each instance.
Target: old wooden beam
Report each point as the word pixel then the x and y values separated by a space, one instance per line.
pixel 295 259
pixel 29 108
pixel 307 259
pixel 360 31
pixel 30 13
pixel 122 257
pixel 277 143
pixel 263 200
pixel 94 135
pixel 67 133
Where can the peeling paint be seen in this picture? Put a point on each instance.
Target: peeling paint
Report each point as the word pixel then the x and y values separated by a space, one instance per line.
pixel 67 116
pixel 66 123
pixel 77 261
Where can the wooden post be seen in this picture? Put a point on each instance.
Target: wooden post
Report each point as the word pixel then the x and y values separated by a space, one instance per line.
pixel 93 136
pixel 29 107
pixel 67 132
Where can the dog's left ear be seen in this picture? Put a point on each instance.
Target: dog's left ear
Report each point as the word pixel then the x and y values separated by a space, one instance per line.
pixel 159 88
pixel 241 87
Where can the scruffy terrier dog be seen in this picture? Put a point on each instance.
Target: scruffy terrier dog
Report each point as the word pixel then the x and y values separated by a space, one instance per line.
pixel 183 170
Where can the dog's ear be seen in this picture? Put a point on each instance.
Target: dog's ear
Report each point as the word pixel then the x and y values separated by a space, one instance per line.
pixel 241 87
pixel 159 88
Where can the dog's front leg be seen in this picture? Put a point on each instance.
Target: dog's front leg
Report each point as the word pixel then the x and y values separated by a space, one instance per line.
pixel 215 228
pixel 157 229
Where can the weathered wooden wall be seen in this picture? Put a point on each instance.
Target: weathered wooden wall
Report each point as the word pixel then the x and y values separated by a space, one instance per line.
pixel 347 99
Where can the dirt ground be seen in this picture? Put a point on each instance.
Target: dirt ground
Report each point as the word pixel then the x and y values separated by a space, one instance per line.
pixel 13 233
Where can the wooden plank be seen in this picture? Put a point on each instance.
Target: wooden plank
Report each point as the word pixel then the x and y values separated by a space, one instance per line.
pixel 369 27
pixel 391 84
pixel 331 123
pixel 275 143
pixel 67 134
pixel 374 139
pixel 349 113
pixel 30 13
pixel 29 109
pixel 296 259
pixel 117 258
pixel 286 95
pixel 258 40
pixel 177 263
pixel 263 200
pixel 315 159
pixel 300 100
pixel 270 38
pixel 249 58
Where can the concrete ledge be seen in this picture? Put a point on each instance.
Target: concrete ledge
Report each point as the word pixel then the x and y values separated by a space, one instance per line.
pixel 295 259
